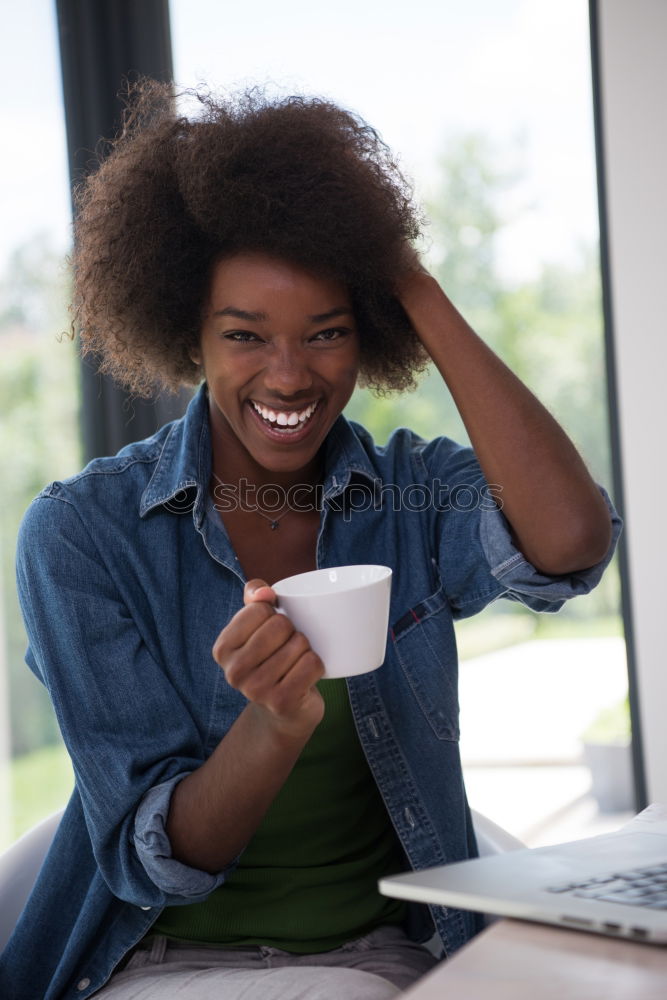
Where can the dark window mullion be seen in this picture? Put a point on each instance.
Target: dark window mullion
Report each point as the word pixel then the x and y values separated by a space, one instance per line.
pixel 101 44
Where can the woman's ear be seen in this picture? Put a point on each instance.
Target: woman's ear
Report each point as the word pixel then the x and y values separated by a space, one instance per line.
pixel 195 355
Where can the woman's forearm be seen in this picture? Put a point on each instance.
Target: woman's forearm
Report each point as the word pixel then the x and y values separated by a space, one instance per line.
pixel 557 514
pixel 215 810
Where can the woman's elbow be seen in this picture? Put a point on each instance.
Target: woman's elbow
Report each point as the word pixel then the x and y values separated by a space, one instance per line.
pixel 582 545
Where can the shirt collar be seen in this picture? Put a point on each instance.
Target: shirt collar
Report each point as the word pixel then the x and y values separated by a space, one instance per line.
pixel 346 458
pixel 184 466
pixel 183 470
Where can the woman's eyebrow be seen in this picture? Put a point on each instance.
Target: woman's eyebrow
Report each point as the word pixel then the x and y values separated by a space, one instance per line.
pixel 249 317
pixel 259 317
pixel 323 317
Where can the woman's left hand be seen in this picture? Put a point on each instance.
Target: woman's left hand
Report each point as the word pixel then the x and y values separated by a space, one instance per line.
pixel 414 279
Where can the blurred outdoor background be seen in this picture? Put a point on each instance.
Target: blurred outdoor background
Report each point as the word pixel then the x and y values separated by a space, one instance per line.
pixel 489 106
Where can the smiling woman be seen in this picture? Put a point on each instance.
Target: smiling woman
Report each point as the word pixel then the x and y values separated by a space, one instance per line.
pixel 232 808
pixel 278 384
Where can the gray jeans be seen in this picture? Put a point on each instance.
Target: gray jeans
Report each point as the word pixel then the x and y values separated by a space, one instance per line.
pixel 375 967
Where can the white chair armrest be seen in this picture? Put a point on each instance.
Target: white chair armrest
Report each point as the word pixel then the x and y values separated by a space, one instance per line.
pixel 19 867
pixel 491 838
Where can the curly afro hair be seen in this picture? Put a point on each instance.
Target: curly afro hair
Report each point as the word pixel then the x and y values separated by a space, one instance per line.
pixel 296 177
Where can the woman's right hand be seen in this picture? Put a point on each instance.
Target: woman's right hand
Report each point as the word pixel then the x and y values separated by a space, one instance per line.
pixel 273 665
pixel 216 809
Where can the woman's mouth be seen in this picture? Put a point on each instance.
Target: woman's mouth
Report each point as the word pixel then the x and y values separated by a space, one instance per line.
pixel 285 423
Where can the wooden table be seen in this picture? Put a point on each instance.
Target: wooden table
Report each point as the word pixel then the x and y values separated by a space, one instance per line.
pixel 516 960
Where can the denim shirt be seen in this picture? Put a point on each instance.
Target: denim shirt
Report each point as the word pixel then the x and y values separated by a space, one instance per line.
pixel 126 576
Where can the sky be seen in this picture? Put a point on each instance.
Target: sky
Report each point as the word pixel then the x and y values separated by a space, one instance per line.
pixel 420 72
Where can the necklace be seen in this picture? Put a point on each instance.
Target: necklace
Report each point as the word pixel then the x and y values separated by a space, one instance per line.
pixel 273 521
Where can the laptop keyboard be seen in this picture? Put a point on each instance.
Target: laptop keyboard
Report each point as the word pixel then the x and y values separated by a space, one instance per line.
pixel 636 887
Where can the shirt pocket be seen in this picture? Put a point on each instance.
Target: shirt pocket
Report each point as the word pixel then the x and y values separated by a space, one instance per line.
pixel 425 646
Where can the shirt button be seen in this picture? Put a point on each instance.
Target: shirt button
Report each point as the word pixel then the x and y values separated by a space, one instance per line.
pixel 83 984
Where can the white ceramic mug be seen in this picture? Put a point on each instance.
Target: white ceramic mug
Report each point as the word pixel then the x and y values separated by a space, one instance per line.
pixel 343 612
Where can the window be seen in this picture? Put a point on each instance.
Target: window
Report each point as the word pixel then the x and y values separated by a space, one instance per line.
pixel 39 394
pixel 489 106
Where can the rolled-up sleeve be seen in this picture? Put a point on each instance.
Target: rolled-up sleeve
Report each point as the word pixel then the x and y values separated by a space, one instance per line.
pixel 154 848
pixel 477 558
pixel 521 581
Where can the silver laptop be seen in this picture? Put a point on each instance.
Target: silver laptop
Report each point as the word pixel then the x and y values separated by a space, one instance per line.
pixel 614 884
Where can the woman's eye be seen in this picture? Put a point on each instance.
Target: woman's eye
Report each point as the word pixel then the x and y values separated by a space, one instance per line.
pixel 333 334
pixel 241 336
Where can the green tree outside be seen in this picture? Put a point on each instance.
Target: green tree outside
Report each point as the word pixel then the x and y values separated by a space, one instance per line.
pixel 548 330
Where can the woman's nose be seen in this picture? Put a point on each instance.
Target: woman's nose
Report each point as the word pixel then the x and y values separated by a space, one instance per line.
pixel 287 372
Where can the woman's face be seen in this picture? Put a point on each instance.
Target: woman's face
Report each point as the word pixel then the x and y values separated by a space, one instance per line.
pixel 280 353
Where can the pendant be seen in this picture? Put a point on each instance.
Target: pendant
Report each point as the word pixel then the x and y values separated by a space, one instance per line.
pixel 274 525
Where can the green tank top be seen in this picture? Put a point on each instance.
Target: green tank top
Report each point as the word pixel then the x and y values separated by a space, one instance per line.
pixel 307 881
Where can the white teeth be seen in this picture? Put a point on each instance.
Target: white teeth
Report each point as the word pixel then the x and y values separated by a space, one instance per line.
pixel 283 419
